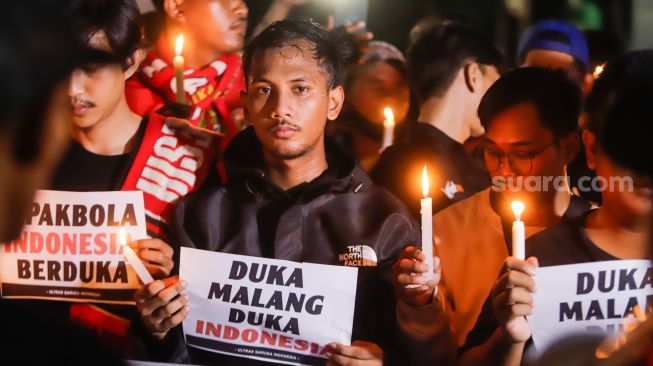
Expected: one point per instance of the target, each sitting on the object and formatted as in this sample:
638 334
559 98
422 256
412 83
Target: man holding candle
115 149
617 230
557 44
213 34
530 117
292 196
451 66
377 88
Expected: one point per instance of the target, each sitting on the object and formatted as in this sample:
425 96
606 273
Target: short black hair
618 110
625 135
621 73
120 20
333 50
39 49
557 99
438 50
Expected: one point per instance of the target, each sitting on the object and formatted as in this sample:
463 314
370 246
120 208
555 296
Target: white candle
178 62
427 223
518 231
388 128
133 259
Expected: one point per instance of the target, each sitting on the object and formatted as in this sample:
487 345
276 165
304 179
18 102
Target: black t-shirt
457 175
83 171
565 243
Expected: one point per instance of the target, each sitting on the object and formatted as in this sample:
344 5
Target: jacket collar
247 168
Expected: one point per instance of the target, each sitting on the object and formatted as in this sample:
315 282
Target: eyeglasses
520 162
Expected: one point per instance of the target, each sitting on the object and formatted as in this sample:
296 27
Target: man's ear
570 146
589 140
472 75
336 100
243 103
134 61
174 10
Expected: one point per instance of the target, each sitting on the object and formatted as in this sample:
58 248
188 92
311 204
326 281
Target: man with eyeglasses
530 117
615 231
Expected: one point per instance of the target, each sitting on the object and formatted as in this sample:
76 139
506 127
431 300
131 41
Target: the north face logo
450 189
358 256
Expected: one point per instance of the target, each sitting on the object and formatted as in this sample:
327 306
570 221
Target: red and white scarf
173 160
213 91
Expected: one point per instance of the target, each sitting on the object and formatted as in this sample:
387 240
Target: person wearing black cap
617 230
39 50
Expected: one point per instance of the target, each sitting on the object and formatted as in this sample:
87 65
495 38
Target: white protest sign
597 297
69 249
266 309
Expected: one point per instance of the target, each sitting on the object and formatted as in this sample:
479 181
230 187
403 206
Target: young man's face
379 86
96 90
288 100
533 148
631 202
218 24
19 180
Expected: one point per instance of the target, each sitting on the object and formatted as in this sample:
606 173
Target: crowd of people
286 129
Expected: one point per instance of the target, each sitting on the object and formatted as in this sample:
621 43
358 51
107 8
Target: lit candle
133 259
388 128
518 231
178 62
598 71
427 223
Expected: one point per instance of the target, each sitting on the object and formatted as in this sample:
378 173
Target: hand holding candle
178 62
388 129
133 259
518 231
427 223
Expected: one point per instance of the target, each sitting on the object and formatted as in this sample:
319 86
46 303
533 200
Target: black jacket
313 222
399 169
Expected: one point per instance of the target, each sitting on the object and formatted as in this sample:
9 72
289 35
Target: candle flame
598 71
389 116
425 183
122 236
180 44
517 209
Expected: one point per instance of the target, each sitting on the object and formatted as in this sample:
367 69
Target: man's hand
156 256
360 353
354 31
161 305
512 297
410 283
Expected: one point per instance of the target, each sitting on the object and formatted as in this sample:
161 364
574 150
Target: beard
292 153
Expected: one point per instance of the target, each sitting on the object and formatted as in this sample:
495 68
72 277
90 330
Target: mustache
239 21
81 101
283 122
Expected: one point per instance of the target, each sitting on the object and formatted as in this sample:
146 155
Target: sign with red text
600 298
266 309
70 249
